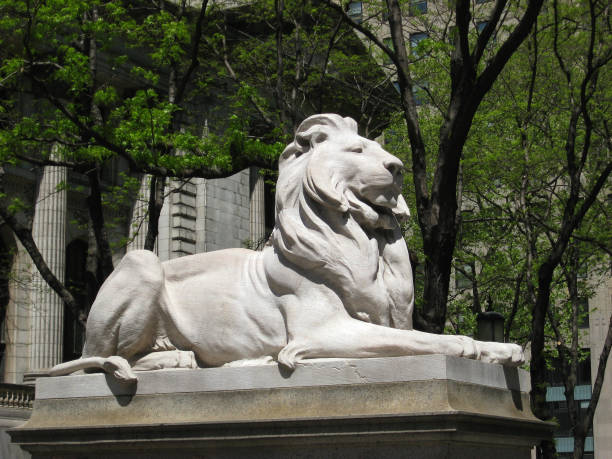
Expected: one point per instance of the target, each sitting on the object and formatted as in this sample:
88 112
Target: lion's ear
308 140
401 210
320 184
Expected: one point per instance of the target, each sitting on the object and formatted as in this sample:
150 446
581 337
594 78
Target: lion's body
333 281
196 302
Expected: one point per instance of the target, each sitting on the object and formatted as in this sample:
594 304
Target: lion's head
338 202
342 171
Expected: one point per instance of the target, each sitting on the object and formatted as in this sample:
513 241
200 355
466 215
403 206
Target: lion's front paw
469 348
186 359
504 353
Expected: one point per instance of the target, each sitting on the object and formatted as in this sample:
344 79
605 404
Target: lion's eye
357 149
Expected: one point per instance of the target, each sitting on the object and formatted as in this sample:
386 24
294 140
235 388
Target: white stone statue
334 279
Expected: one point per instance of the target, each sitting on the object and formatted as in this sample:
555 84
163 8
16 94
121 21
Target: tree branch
195 47
24 234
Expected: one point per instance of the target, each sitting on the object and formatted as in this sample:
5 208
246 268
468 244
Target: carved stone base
425 406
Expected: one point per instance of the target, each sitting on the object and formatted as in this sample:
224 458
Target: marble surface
316 372
334 280
422 406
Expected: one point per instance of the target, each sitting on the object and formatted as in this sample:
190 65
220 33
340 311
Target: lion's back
218 261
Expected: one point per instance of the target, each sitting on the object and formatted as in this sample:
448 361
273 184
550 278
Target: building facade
198 215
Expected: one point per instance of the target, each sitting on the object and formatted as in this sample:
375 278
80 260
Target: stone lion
334 280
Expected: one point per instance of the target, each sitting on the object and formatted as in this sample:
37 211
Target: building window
77 283
420 95
420 98
583 313
555 397
480 26
415 39
463 277
355 11
565 446
388 42
417 7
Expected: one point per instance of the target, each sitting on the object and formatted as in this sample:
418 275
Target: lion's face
370 173
361 176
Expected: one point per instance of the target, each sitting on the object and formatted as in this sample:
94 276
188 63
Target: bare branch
24 234
195 47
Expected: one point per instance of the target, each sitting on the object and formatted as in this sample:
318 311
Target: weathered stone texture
424 406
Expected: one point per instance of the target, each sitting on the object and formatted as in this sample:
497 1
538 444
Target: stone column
139 222
49 232
183 214
257 208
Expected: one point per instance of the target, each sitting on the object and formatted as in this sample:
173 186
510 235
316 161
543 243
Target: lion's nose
394 165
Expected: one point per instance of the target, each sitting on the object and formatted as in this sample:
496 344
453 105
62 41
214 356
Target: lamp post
490 326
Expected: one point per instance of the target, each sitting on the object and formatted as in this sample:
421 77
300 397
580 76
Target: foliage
127 92
448 59
90 109
534 187
298 59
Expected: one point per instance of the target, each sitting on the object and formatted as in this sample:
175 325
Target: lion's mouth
378 207
381 209
394 207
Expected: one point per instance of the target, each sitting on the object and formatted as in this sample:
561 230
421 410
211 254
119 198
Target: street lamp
490 326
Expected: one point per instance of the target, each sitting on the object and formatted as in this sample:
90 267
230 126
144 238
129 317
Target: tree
535 179
62 61
471 69
87 84
531 185
289 59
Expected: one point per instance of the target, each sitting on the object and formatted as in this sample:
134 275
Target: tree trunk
156 202
437 208
437 279
96 213
578 446
24 234
537 365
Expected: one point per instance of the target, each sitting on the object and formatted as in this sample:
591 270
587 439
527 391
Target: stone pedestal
424 406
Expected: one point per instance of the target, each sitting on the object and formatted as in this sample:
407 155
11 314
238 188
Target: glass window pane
555 394
355 11
388 42
463 279
481 25
420 98
583 313
582 392
415 39
418 7
564 444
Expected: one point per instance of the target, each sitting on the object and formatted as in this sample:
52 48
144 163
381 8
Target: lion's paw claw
503 353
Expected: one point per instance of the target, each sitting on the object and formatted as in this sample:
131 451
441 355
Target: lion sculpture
334 280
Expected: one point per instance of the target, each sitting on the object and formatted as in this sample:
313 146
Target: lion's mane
322 228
